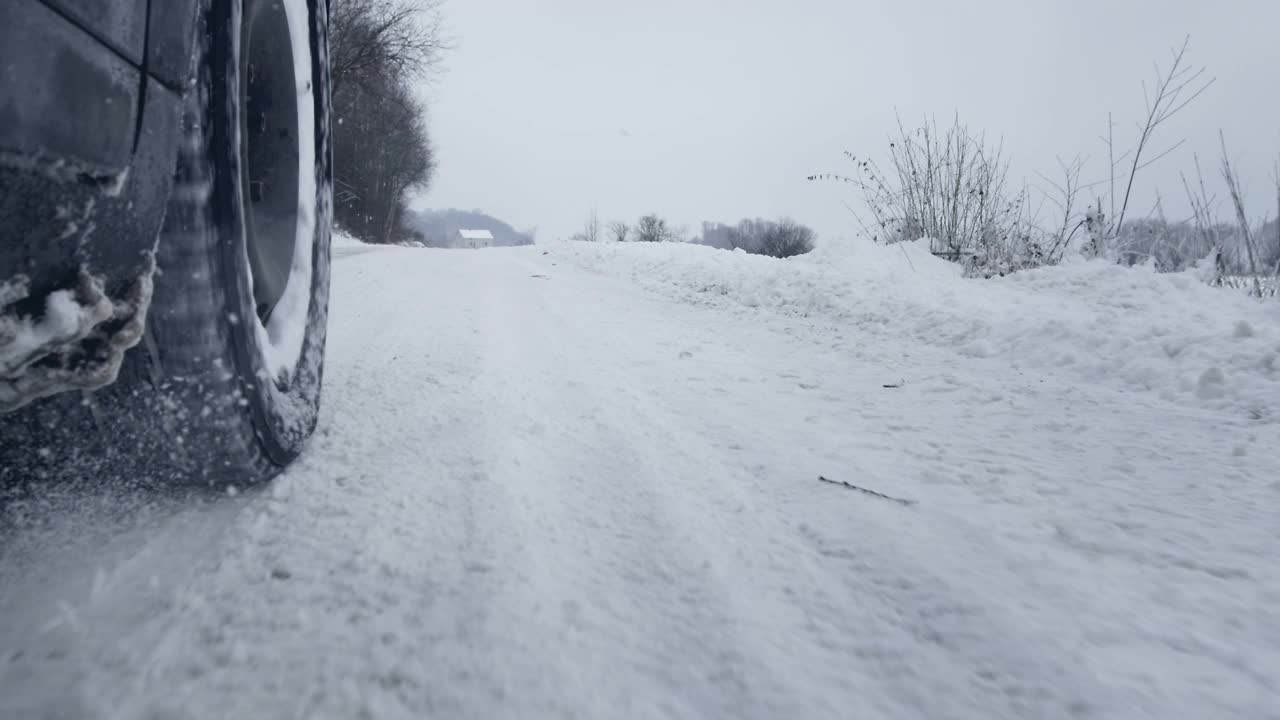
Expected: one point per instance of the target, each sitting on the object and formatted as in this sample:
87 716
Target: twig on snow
860 489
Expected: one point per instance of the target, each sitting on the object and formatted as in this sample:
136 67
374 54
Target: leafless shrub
652 228
952 187
787 238
1237 202
1202 209
949 186
1065 195
619 231
781 239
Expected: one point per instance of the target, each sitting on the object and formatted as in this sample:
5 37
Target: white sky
716 110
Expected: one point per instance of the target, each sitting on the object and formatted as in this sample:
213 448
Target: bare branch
1237 200
1172 92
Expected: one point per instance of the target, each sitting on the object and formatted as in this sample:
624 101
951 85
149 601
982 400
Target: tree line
776 238
378 51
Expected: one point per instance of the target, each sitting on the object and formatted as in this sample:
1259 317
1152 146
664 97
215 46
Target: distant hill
439 228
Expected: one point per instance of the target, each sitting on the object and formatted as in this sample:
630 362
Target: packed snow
582 481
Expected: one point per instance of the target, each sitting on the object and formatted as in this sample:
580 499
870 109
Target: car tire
224 388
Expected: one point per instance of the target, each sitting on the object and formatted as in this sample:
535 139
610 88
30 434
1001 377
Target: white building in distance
473 239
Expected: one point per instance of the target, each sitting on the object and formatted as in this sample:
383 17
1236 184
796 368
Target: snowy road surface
543 489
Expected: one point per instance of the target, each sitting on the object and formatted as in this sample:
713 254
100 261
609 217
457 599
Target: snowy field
583 481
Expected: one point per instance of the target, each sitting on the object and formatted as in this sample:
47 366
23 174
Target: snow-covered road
545 491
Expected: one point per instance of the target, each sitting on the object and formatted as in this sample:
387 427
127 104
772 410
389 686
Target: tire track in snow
564 497
892 631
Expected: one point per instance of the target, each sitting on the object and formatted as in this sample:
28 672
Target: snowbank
1168 334
343 239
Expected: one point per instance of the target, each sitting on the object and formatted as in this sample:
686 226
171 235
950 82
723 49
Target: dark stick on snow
880 495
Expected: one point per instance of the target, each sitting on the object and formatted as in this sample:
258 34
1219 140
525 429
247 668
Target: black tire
197 402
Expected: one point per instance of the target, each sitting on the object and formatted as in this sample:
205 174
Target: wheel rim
279 175
269 151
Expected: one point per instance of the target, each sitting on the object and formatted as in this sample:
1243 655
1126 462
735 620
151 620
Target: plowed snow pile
1095 322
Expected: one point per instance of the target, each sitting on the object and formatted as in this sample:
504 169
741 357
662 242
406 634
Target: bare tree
381 147
652 228
716 235
590 229
375 36
381 151
746 234
619 231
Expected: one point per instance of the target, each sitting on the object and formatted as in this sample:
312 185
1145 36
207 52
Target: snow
1130 328
63 321
70 344
344 241
585 484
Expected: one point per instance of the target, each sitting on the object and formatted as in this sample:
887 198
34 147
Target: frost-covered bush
950 186
1168 246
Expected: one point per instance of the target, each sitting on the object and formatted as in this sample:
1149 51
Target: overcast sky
717 110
